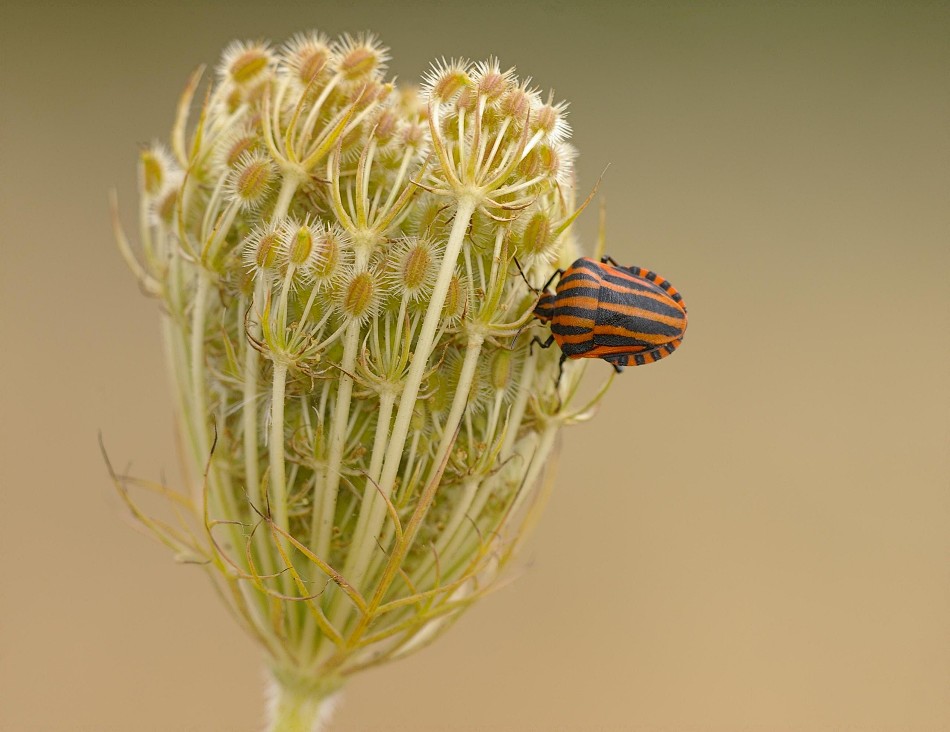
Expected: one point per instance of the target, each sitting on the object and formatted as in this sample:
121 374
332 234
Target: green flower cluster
347 332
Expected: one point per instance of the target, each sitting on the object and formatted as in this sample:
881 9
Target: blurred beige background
752 535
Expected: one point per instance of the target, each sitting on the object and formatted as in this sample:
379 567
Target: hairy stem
300 704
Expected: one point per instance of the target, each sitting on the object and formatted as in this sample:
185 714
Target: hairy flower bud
251 180
302 241
234 146
361 57
360 295
456 299
245 63
262 248
446 79
414 267
307 58
156 168
537 237
548 120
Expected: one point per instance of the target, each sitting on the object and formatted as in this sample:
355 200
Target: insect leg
557 273
521 272
606 259
543 344
557 381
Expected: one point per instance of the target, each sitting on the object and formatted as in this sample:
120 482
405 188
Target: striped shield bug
627 316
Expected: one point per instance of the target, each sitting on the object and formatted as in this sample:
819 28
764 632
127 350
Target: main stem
300 705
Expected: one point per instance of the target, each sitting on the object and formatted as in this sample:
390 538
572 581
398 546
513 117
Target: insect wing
637 315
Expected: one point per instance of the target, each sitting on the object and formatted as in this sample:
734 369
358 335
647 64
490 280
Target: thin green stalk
357 561
220 497
460 398
538 461
252 476
525 383
275 445
253 484
287 190
197 374
466 504
372 503
321 529
459 402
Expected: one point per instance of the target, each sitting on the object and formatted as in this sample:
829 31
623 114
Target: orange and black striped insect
627 316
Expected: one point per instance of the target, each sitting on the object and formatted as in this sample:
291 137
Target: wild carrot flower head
347 270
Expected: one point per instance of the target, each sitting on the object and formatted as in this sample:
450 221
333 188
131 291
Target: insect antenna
535 290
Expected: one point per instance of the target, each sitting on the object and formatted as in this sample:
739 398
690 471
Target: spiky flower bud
156 168
456 299
335 248
262 248
549 121
344 275
446 79
302 242
414 267
308 57
234 147
244 64
252 179
361 57
360 295
501 371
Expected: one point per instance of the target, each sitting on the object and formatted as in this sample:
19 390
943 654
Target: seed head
445 80
414 136
466 101
491 82
439 392
233 146
334 256
302 243
358 346
165 206
251 179
246 63
414 265
386 127
308 57
360 295
502 370
537 240
548 120
157 168
361 58
518 101
456 300
262 249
